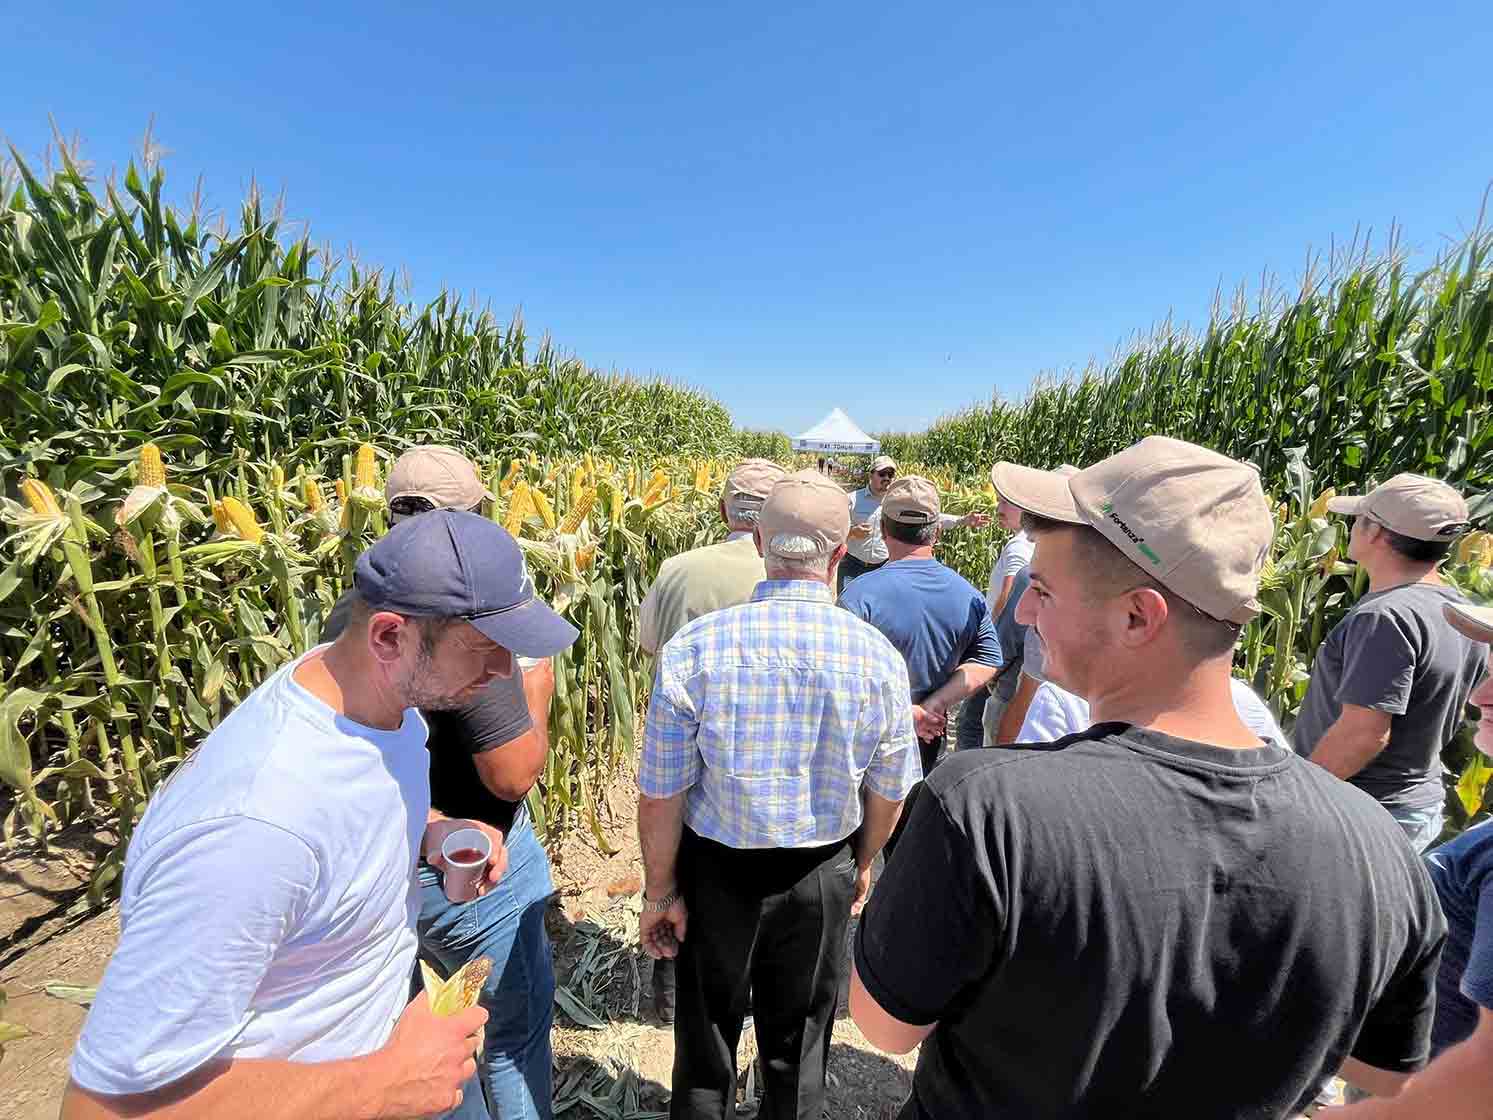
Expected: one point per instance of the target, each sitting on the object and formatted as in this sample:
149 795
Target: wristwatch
661 904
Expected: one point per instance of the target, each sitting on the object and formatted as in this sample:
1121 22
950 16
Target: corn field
1367 371
123 321
135 620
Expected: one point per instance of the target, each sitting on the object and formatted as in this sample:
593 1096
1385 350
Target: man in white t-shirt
269 901
1010 562
1056 713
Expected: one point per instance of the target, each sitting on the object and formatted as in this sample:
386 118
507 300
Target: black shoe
663 991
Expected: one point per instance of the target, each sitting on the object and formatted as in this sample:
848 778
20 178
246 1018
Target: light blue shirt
773 714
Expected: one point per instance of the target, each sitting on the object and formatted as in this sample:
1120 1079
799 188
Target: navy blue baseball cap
454 564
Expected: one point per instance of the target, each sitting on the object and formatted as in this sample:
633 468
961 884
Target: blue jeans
1422 826
506 924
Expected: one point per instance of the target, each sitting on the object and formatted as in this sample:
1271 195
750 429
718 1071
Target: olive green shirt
698 582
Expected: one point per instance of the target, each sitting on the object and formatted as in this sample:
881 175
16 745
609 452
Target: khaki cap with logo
1192 519
1413 505
1046 491
441 475
1475 622
807 505
881 463
753 478
912 500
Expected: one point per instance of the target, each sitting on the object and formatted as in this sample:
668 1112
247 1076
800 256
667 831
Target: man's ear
1146 614
757 540
389 634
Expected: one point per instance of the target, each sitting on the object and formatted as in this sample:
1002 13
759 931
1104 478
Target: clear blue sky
893 207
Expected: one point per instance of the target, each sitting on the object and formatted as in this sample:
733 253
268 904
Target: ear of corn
542 506
579 511
39 498
312 494
242 519
363 472
152 470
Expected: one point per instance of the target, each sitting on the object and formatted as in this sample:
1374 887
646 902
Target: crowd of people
1125 892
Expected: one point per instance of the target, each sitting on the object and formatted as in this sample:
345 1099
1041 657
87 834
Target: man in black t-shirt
1389 685
484 758
1162 916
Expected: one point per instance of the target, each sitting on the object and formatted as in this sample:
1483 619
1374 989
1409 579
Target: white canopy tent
837 432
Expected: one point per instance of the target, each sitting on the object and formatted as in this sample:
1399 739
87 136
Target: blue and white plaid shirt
772 714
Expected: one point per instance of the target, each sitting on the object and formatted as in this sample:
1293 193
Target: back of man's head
909 516
746 488
802 528
433 476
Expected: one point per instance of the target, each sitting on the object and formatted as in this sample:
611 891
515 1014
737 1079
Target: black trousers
770 922
850 567
931 751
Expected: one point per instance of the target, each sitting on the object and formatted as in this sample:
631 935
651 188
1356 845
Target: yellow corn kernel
542 506
241 517
619 503
340 489
363 477
577 484
510 478
312 492
152 470
579 511
584 557
1319 507
39 497
220 517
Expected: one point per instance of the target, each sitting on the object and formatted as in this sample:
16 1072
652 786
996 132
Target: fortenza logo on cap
1108 509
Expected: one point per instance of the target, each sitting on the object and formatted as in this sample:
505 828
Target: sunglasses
886 474
408 505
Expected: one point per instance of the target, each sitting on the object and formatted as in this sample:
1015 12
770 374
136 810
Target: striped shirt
773 714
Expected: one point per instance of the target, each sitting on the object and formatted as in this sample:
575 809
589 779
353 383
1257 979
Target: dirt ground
615 1065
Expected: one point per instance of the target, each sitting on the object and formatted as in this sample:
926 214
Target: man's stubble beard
420 688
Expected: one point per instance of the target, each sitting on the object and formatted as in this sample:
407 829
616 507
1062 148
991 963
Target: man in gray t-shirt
1389 685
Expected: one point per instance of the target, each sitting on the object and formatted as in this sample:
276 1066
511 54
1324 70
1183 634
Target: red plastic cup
466 853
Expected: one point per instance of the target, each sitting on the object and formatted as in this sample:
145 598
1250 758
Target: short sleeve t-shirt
1462 871
498 715
269 898
865 509
1124 923
932 615
1014 555
1013 637
696 582
1395 652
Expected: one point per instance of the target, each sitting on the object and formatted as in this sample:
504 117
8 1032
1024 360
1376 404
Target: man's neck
342 678
1385 574
1188 702
922 552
